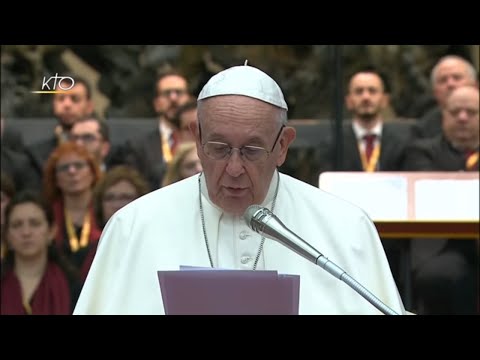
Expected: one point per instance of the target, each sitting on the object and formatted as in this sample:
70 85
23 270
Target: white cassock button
243 235
245 259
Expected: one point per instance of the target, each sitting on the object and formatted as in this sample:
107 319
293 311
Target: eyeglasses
169 92
85 138
218 150
77 165
124 198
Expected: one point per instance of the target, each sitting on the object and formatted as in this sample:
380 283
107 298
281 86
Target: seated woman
184 164
35 279
119 186
70 175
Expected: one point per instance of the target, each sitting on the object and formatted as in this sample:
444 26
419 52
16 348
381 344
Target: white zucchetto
244 80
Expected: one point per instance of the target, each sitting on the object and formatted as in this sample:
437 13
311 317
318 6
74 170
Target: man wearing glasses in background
242 139
156 149
93 134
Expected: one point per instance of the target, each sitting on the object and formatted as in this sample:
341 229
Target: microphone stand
257 219
306 250
340 274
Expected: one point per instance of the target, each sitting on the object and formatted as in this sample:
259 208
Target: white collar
360 132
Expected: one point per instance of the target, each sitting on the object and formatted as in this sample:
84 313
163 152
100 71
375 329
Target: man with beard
68 107
369 143
151 153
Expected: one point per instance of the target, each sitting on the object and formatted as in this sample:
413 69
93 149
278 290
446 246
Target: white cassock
163 230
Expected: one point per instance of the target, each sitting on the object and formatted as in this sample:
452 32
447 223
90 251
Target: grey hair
283 117
471 71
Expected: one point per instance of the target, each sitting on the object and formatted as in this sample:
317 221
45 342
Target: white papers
382 198
447 200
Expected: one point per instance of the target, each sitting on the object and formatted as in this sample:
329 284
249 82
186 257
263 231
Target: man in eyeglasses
242 138
94 135
154 150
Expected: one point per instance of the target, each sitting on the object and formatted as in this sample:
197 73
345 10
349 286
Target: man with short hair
369 143
242 138
153 151
446 277
68 107
94 134
450 72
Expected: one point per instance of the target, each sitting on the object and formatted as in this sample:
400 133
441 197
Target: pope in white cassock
242 137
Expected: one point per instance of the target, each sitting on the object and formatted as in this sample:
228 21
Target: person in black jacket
449 73
446 281
68 107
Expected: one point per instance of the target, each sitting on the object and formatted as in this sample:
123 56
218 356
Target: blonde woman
119 186
185 163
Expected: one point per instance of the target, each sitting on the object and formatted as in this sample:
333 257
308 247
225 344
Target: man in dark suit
68 107
369 143
449 73
446 280
94 134
152 152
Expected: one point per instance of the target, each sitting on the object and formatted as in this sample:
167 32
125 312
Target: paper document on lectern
447 199
383 198
229 292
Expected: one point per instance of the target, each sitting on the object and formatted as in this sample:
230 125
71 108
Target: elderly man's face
451 74
460 117
234 183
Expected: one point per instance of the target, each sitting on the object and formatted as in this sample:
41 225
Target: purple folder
229 292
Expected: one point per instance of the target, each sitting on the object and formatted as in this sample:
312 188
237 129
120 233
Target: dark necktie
369 145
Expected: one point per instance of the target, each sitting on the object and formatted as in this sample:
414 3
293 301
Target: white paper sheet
447 199
384 198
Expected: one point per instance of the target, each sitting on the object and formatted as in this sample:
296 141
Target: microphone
264 222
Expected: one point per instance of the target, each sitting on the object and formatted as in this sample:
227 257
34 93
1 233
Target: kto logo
60 84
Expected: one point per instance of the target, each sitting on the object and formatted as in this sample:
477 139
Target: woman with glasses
118 187
71 174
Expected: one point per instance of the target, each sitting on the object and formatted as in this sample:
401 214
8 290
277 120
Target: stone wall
123 75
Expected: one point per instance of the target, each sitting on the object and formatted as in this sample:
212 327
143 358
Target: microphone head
250 214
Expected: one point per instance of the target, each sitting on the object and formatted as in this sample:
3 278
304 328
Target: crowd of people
61 196
77 179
